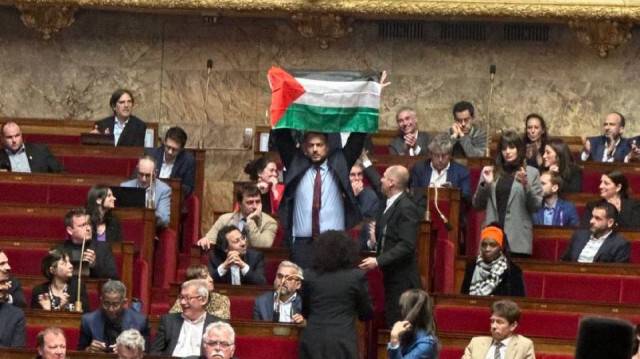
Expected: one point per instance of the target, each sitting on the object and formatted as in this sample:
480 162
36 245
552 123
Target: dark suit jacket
339 160
396 147
12 330
105 266
92 327
565 214
263 306
17 295
599 143
253 258
183 168
168 332
511 283
615 249
133 133
457 175
40 159
628 217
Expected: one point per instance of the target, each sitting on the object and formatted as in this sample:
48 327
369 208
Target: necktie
497 355
317 202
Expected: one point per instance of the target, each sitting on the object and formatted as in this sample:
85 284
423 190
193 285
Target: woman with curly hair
99 206
265 175
415 336
334 293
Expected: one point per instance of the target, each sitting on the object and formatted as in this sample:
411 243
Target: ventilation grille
527 33
401 30
463 31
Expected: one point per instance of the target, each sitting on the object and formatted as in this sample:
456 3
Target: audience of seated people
60 291
469 139
415 335
172 161
555 211
19 156
98 256
557 158
610 146
130 344
264 173
600 243
282 304
232 262
493 272
510 193
127 130
218 342
368 204
410 141
158 193
12 330
218 304
258 227
100 329
104 224
51 343
614 189
535 138
14 295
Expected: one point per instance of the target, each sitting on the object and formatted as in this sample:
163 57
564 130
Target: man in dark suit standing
172 161
600 243
12 330
180 334
18 156
611 146
396 232
285 290
127 130
317 190
100 328
232 262
410 141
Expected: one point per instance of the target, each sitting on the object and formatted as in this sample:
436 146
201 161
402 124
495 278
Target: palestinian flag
324 101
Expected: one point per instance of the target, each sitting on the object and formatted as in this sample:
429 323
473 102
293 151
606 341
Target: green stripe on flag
330 119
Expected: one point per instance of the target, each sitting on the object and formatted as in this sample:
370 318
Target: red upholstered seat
23 193
475 221
190 223
31 227
52 139
635 252
250 347
451 353
443 267
165 257
277 242
72 195
133 231
141 283
26 261
581 287
72 335
534 284
242 307
630 291
106 166
380 150
271 268
546 249
462 319
591 181
549 324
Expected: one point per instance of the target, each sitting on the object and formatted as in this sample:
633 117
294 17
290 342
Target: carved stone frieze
325 28
47 19
603 35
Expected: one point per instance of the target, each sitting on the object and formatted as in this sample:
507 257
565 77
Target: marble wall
162 58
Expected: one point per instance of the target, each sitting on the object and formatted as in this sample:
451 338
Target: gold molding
604 35
375 9
47 19
325 28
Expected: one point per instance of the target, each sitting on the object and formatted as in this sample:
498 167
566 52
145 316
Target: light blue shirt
548 214
331 206
117 130
19 161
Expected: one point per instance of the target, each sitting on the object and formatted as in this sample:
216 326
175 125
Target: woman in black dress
100 205
493 273
334 293
61 290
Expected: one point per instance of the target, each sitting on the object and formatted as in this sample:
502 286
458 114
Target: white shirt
117 129
235 273
605 158
190 337
415 152
392 199
167 167
503 349
592 247
285 309
439 179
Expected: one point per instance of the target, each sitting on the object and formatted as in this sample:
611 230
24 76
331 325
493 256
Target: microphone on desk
445 221
78 307
206 89
276 300
492 74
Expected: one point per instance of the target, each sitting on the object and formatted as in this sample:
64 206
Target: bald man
396 232
160 192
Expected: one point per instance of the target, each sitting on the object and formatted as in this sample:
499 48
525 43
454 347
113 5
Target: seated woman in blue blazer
414 337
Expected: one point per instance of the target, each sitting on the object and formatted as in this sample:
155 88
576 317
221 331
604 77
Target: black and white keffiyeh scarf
487 276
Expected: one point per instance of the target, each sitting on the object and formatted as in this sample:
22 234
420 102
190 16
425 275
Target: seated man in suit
555 211
369 206
100 328
258 227
180 334
130 344
600 243
232 262
288 281
440 170
611 146
505 316
12 330
218 342
127 130
174 162
469 140
158 192
15 295
98 255
410 141
18 156
51 343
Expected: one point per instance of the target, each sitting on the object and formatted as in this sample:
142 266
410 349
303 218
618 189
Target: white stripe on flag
341 94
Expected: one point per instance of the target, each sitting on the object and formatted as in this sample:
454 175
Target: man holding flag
318 195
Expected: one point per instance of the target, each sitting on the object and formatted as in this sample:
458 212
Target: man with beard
289 304
611 146
469 139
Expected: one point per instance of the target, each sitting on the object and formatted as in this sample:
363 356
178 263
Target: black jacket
133 133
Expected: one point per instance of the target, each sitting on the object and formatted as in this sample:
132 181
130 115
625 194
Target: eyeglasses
215 343
188 298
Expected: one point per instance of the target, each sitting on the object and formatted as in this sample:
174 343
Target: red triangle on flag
284 91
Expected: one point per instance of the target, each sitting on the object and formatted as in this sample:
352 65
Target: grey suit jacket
169 331
519 348
263 306
523 204
396 147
